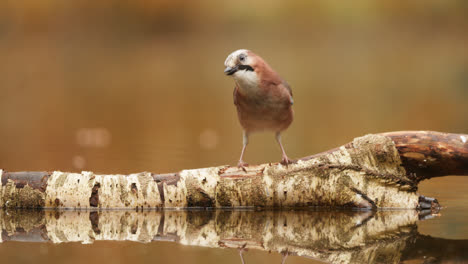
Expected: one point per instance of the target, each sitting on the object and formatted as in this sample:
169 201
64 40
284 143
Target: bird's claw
241 165
286 161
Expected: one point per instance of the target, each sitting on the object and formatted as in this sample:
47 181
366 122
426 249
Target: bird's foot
286 161
241 165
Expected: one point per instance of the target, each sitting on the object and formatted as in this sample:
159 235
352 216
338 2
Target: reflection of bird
263 99
284 256
241 250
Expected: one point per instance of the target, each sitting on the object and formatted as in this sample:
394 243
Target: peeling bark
427 154
333 237
375 171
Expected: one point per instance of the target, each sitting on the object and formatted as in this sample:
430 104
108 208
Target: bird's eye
242 57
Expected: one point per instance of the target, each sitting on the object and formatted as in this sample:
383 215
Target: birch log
329 236
373 171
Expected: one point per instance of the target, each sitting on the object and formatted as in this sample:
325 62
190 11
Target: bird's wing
274 80
285 84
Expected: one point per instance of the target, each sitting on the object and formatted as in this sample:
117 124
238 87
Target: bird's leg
285 160
285 256
245 141
241 251
241 257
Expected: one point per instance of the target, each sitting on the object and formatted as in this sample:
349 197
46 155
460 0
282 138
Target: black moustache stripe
245 67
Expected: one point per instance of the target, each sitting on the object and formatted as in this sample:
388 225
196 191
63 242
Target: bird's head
240 61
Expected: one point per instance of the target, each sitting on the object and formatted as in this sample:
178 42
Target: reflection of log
374 171
336 237
436 250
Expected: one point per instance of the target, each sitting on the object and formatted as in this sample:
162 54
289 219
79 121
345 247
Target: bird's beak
230 70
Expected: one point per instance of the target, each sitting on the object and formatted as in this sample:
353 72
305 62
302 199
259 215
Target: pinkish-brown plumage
263 99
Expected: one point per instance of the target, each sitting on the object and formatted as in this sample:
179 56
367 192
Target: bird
263 99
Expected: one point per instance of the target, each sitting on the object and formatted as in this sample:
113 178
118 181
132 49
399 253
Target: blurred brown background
125 86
